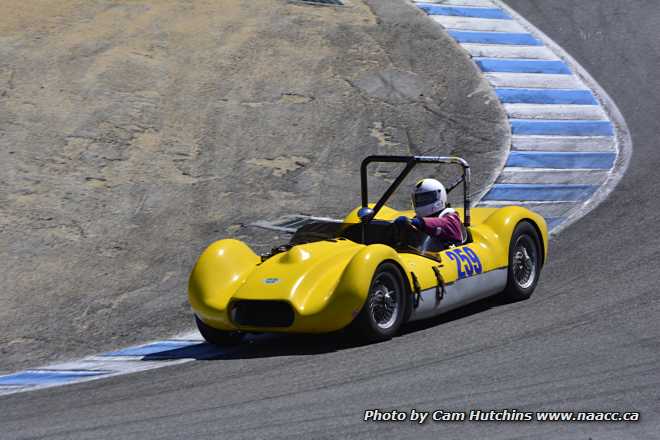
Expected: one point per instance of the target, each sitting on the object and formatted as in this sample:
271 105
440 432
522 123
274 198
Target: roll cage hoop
367 214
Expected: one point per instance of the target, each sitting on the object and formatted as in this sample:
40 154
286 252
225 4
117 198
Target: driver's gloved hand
402 220
417 222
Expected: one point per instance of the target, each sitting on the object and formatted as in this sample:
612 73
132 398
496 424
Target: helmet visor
425 198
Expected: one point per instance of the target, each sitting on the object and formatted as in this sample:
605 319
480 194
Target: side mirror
365 214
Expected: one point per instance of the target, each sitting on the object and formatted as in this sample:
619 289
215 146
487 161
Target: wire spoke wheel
524 262
384 308
384 302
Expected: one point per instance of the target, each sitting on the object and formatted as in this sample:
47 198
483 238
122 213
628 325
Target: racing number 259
467 262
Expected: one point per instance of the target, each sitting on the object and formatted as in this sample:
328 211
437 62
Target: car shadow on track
256 346
276 345
457 314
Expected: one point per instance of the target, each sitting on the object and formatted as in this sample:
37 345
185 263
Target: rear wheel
383 312
524 262
218 337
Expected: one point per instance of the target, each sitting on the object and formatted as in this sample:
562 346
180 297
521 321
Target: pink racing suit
446 226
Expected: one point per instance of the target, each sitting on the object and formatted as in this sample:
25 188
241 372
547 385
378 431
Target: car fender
353 287
502 223
210 286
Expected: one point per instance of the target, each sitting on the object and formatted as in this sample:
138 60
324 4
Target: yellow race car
368 273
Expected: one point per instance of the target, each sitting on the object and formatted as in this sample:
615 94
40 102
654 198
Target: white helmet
429 197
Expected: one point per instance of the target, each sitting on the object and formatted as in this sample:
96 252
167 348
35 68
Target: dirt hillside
133 133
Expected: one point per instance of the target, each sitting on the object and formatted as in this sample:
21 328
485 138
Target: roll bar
410 161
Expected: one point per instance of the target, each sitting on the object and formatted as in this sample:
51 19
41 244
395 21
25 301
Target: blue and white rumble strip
569 143
140 358
569 148
158 354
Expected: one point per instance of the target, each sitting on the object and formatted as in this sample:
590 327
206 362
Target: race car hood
306 275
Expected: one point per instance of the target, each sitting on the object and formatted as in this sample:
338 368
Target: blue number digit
468 264
476 262
456 259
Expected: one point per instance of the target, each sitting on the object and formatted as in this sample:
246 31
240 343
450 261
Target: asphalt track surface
588 339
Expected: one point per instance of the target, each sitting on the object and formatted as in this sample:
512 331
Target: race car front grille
258 313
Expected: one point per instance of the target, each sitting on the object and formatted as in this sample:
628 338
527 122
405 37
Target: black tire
385 308
525 262
218 337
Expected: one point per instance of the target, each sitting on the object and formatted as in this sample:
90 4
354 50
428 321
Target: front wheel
218 337
383 311
524 262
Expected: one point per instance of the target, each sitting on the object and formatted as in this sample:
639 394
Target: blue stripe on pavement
43 377
512 38
539 193
561 160
551 195
535 127
545 96
458 11
522 66
156 347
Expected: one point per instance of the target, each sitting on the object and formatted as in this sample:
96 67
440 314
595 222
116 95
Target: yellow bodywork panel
326 282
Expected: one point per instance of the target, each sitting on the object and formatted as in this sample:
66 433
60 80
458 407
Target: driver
432 214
